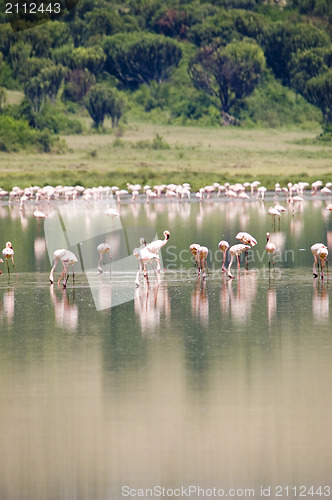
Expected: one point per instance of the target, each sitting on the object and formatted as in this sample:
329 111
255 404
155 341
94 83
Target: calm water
220 384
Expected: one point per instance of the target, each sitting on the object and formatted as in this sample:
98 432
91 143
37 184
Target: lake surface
217 383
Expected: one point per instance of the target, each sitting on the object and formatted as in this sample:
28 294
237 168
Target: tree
42 85
2 99
140 58
319 92
104 101
78 83
228 73
283 40
306 65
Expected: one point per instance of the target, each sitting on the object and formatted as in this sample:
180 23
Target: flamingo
202 254
194 250
275 213
270 248
223 247
111 212
236 250
157 245
246 239
322 254
314 249
8 253
144 256
103 248
38 214
67 258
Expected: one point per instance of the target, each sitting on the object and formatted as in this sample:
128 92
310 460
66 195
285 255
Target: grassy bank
152 154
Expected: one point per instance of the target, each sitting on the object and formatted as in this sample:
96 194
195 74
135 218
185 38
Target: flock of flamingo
148 253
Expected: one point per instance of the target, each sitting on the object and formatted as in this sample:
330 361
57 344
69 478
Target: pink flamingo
194 251
246 239
270 248
314 249
67 258
223 247
202 254
236 250
144 256
103 248
157 245
322 254
8 253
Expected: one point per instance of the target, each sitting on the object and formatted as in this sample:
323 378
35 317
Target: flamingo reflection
151 302
320 301
200 303
66 313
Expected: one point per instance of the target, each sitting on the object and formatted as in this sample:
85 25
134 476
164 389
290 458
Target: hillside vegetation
245 63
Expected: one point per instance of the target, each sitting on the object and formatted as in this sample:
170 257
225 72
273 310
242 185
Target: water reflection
7 306
151 303
200 302
320 301
205 382
66 312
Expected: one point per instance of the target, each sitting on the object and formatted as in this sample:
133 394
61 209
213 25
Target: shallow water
217 383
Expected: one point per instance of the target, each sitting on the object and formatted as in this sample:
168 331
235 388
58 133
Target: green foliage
16 135
2 99
227 26
157 143
45 84
283 40
229 73
103 101
90 58
175 21
52 117
274 105
319 92
77 84
308 64
140 58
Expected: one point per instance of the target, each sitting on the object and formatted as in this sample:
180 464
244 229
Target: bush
16 135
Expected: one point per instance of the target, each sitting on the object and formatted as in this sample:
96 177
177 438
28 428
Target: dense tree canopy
229 73
145 48
141 58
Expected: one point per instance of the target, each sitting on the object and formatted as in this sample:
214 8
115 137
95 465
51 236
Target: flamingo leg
52 271
137 275
229 267
223 263
322 268
99 266
314 267
7 266
238 262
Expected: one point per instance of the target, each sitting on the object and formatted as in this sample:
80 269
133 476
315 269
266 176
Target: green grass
196 155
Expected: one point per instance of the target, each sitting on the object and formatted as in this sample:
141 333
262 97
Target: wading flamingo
223 247
103 248
270 248
202 254
8 253
194 251
67 258
246 239
157 245
314 250
236 250
322 254
144 256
